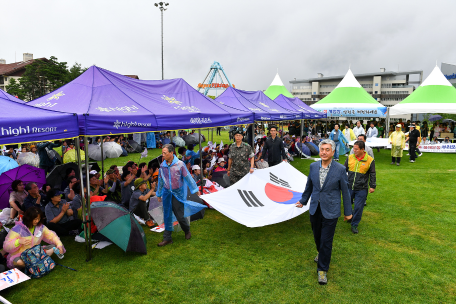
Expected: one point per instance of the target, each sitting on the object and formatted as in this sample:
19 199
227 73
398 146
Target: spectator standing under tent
358 130
273 148
45 162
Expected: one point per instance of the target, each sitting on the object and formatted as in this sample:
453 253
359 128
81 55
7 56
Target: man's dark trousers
65 228
323 230
178 210
412 150
358 197
273 163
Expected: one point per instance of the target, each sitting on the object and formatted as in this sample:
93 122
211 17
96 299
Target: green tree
14 88
44 76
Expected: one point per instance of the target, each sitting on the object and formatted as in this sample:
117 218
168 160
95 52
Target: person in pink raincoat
28 233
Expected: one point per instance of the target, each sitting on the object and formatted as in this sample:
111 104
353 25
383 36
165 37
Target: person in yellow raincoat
349 134
397 141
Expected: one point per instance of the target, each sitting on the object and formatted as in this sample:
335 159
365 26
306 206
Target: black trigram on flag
279 181
250 199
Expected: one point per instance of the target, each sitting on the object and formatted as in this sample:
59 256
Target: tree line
42 77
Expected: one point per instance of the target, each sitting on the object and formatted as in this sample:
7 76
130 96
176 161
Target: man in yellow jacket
397 141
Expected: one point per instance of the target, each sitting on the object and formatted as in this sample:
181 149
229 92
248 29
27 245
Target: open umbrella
56 176
178 141
190 140
136 147
118 225
70 156
435 117
7 163
25 173
112 149
29 158
222 178
94 152
447 120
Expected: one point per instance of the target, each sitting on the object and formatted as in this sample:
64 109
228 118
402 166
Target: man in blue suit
326 181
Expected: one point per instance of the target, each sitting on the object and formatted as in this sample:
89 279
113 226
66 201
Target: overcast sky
250 38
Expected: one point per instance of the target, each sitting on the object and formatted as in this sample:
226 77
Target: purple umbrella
435 117
26 174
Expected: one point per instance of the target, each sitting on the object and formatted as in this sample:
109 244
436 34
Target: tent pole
102 162
84 207
208 134
201 160
87 217
212 134
387 121
302 130
253 136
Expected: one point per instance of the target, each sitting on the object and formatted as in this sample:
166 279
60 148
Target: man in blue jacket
326 181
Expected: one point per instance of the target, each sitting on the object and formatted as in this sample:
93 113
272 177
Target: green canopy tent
435 95
276 88
350 99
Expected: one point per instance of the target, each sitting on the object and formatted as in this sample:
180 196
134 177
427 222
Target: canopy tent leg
253 136
84 206
87 216
208 134
201 159
212 135
387 121
102 162
302 130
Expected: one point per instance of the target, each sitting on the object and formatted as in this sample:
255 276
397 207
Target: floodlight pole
161 6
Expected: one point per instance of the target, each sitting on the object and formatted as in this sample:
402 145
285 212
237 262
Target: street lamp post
162 7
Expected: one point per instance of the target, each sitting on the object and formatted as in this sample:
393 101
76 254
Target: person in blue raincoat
173 180
341 142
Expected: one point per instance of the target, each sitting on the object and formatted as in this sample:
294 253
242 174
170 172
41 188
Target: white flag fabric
265 197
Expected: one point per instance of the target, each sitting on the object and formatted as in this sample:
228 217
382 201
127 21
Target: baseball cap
196 167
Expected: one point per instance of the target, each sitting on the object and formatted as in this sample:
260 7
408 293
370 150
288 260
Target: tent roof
276 88
435 95
296 104
23 123
262 101
107 103
348 91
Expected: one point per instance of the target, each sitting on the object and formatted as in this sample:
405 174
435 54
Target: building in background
449 70
388 88
14 70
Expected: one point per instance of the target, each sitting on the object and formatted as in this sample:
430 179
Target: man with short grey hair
326 181
358 130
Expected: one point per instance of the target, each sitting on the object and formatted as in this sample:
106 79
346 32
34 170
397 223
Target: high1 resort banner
265 197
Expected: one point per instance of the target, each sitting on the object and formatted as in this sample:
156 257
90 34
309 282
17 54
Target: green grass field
404 253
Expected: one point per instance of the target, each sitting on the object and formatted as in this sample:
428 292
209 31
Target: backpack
37 262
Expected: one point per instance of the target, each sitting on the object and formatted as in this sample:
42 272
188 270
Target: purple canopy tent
22 123
110 103
276 112
313 114
256 102
296 104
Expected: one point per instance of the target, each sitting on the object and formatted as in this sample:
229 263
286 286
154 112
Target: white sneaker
420 154
408 154
9 221
412 161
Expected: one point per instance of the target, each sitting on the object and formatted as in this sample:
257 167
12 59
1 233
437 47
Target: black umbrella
136 147
447 120
221 178
190 140
58 174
